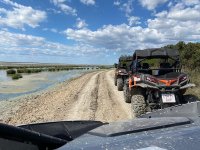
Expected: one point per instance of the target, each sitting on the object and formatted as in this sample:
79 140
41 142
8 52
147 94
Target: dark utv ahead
121 72
157 86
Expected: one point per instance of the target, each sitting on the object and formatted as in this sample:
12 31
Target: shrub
25 70
16 76
11 71
51 69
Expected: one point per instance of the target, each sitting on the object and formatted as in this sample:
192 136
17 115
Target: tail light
136 78
183 78
151 79
133 80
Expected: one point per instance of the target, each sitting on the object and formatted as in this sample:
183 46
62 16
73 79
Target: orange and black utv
121 72
156 80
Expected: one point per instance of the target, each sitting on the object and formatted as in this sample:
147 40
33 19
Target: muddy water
31 83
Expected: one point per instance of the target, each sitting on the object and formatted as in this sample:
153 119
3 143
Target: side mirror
115 65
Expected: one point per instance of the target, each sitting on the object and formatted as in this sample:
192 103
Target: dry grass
194 78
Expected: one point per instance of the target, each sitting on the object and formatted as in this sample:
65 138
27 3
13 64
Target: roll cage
124 60
156 53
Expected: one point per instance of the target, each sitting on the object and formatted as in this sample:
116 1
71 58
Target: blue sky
92 31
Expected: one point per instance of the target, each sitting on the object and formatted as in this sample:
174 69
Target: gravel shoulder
92 96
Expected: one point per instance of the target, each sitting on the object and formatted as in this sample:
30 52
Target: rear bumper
122 74
190 85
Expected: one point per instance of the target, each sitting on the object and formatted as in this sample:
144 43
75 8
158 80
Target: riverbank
8 107
32 83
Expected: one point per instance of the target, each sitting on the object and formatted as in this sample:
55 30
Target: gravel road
92 96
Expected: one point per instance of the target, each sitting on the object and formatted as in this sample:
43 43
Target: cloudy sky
92 31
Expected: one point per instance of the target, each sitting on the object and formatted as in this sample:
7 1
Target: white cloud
127 7
183 13
81 23
179 23
88 2
51 29
133 20
116 38
53 11
116 3
21 15
11 39
64 7
54 30
190 2
151 4
2 10
33 45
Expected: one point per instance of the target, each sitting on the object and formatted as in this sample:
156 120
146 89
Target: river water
31 83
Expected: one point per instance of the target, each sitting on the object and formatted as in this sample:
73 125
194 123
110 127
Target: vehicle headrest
145 65
139 65
165 65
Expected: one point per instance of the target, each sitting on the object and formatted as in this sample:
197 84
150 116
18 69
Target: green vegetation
153 62
124 60
194 78
190 59
16 76
190 55
15 71
35 68
11 71
32 70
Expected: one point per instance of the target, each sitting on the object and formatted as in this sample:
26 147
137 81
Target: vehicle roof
125 58
156 53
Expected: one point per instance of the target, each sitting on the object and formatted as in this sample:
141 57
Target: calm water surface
42 81
3 76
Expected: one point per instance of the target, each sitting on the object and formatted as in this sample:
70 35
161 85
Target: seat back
163 70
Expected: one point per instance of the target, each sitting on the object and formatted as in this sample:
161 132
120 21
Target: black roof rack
125 58
156 53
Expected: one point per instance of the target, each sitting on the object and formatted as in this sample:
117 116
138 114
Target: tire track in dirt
86 104
110 109
118 95
98 101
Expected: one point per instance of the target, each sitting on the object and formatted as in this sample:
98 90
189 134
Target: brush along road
92 96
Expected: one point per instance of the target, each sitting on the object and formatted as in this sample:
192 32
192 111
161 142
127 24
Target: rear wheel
115 81
127 95
138 103
120 84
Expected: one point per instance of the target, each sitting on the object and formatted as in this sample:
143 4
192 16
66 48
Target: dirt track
91 97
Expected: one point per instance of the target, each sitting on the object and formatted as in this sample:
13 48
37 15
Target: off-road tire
127 96
120 84
115 81
138 104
